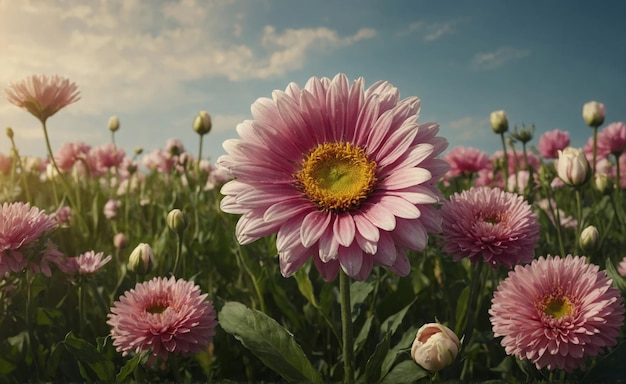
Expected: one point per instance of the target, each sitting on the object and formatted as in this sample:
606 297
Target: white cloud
135 54
468 128
497 58
430 31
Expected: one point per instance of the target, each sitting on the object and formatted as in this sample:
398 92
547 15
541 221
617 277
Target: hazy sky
155 64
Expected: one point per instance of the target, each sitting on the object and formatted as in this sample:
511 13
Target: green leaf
405 343
129 367
610 368
305 286
359 290
363 333
50 316
54 359
618 280
269 341
391 324
461 309
88 354
373 365
405 372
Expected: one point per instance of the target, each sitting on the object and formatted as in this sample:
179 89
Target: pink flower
5 164
162 316
556 312
550 205
42 95
85 264
22 231
466 161
63 215
612 138
345 175
491 224
516 160
551 142
158 161
621 268
110 208
105 157
70 154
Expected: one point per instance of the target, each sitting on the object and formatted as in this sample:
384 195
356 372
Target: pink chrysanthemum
162 316
42 95
497 226
85 264
345 175
612 138
464 160
551 142
556 312
21 227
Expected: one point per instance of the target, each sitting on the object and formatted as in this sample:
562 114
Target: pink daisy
163 316
70 154
551 142
491 224
85 264
464 160
22 231
345 175
612 138
105 157
556 312
42 95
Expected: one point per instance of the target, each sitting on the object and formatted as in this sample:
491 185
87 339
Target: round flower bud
572 166
524 135
141 260
603 184
589 238
499 122
114 123
120 241
202 123
593 113
177 221
10 132
138 151
435 347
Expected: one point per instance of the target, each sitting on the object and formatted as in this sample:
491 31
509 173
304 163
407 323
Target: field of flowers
339 239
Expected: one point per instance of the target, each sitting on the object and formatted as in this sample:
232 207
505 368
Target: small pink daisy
21 230
162 316
556 312
343 174
491 224
551 142
42 95
85 264
466 161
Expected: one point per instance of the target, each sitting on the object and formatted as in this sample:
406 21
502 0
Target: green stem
346 328
179 251
506 159
475 296
595 146
557 220
29 325
579 210
81 307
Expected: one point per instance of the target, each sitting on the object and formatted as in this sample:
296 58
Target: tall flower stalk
346 328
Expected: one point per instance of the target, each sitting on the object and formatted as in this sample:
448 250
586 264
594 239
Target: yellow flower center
337 176
557 307
157 308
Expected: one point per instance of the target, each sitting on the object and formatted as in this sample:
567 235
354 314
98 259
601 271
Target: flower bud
589 238
177 221
10 133
572 166
499 122
114 123
110 209
603 184
138 151
141 260
435 346
524 135
120 241
593 113
202 123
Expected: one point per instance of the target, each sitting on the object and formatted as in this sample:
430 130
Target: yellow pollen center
157 308
557 307
337 176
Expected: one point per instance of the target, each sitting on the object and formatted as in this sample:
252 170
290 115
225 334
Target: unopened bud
524 135
589 238
177 221
10 133
435 347
141 260
603 184
499 122
202 123
593 113
114 123
572 166
120 241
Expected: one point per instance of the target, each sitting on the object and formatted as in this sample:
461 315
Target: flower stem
595 146
346 328
506 160
579 210
179 251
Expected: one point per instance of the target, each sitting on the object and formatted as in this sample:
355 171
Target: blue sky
155 64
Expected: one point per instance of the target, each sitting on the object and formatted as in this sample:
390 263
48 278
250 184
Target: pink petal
313 226
344 229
